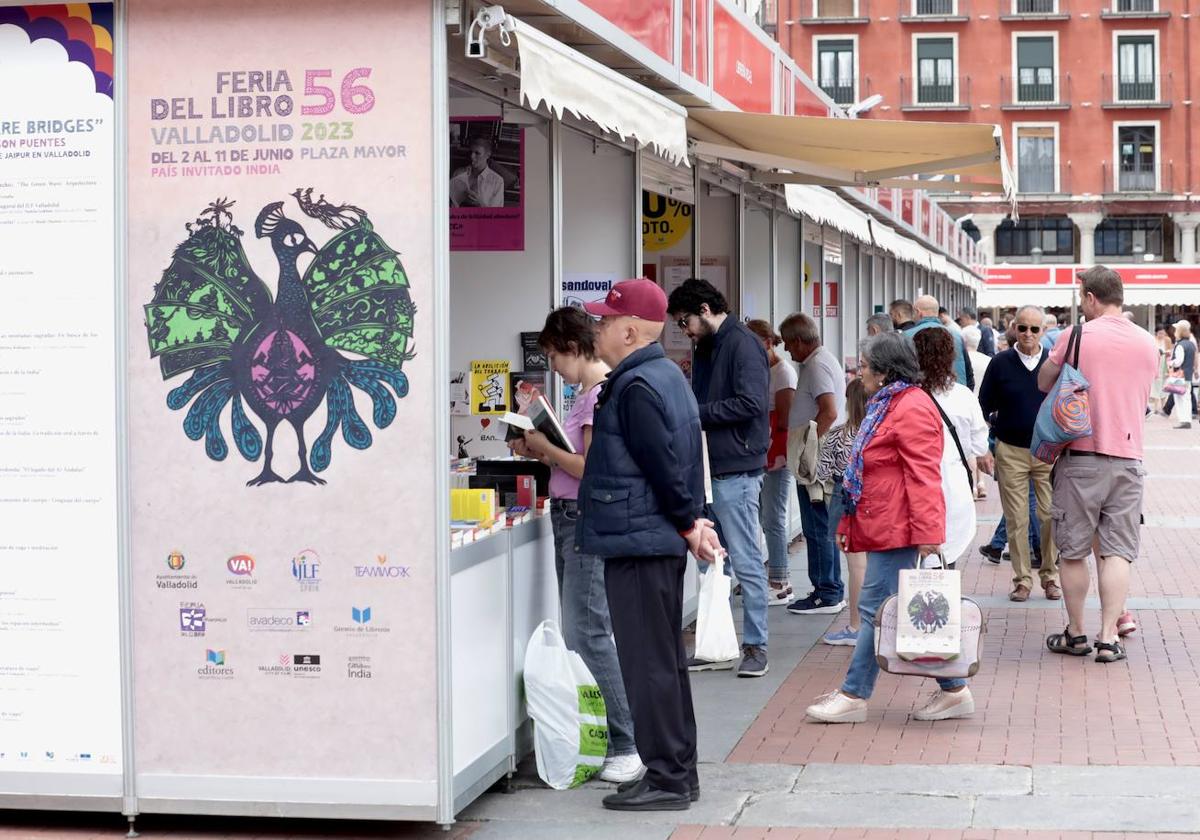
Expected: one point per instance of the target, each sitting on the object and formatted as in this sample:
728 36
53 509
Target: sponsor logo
282 667
363 623
382 569
306 664
358 668
306 570
215 665
241 572
49 755
173 579
192 619
278 620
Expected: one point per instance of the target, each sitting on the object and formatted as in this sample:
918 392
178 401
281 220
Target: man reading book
640 502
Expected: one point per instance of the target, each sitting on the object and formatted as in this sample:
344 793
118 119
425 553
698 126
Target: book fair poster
59 603
280 387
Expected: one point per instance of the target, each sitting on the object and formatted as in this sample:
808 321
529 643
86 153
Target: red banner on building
742 64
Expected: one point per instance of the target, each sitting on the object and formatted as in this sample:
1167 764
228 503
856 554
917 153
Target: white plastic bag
570 727
716 639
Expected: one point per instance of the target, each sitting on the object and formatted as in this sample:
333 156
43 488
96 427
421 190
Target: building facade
1093 97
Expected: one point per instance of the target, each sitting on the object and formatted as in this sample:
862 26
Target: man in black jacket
639 508
731 380
1010 392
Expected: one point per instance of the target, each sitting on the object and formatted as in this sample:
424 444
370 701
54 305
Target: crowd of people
887 465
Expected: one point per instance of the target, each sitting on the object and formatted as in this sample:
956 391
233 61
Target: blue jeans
882 581
736 506
586 626
774 517
824 569
1000 537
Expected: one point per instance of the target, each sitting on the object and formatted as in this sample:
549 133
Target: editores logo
174 579
216 666
382 569
192 619
358 668
241 571
278 620
363 623
306 569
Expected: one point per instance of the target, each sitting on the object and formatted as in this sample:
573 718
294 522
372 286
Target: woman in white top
935 352
777 483
1183 364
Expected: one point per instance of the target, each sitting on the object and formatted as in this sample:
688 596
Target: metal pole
697 186
636 251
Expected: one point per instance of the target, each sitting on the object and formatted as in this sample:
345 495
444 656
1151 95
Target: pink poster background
247 710
488 228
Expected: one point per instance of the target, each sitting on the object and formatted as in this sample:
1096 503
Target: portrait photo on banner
487 185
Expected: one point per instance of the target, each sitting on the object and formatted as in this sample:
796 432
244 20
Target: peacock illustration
929 611
283 357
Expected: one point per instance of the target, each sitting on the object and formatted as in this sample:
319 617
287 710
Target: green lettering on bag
591 701
593 739
583 772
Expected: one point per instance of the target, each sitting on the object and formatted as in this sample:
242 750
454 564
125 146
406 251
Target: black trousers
645 601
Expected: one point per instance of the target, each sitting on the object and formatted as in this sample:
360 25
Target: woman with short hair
895 512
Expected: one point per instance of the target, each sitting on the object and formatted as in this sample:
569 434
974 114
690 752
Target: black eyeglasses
1027 328
682 323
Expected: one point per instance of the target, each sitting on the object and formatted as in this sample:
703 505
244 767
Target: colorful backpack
1065 414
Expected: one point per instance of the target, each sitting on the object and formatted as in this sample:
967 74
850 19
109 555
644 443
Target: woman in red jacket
895 512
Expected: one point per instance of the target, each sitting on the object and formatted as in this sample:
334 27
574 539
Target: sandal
1064 642
1109 652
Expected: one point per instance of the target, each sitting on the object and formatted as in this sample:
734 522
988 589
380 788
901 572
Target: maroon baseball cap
640 298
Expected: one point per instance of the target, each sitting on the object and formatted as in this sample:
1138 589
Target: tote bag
1065 414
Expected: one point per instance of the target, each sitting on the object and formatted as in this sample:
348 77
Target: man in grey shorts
1098 479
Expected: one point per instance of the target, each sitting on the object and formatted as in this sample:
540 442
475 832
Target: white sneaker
836 707
944 705
779 597
622 768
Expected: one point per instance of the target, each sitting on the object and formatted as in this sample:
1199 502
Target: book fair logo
382 569
216 666
358 668
174 578
278 619
306 570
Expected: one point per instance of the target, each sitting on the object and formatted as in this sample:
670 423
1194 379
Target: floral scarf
877 408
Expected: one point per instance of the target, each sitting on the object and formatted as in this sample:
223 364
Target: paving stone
1089 813
1124 781
950 780
716 807
514 830
866 810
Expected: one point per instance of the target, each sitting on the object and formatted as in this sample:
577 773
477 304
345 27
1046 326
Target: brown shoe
1053 590
1020 594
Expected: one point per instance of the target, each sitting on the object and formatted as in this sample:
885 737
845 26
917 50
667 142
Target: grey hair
971 336
894 357
800 327
1029 307
883 321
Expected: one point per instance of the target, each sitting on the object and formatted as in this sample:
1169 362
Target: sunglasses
1026 328
682 323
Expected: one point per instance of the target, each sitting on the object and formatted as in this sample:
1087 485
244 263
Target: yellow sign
489 386
665 221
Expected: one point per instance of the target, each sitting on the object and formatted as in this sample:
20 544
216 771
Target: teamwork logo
929 611
283 355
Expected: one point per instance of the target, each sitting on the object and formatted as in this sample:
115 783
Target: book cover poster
487 185
533 357
525 386
489 386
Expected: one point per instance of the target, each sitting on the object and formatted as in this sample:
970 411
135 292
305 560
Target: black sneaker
815 605
992 554
754 662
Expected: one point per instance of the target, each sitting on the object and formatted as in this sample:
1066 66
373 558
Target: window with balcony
1135 5
835 69
1136 68
835 9
1035 159
1035 69
1053 236
1130 236
935 71
934 8
1035 7
1136 158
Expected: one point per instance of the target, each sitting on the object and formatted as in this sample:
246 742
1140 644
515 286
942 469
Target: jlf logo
306 569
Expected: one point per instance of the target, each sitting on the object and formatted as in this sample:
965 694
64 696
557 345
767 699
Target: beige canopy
831 151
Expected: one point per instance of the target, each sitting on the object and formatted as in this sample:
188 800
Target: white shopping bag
570 727
929 614
716 639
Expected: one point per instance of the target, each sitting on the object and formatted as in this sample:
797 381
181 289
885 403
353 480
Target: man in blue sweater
640 501
731 380
927 314
1010 396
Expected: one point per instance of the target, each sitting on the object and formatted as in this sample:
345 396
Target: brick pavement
696 832
1034 707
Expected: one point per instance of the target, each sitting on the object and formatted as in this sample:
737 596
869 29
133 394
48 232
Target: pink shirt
563 485
1119 361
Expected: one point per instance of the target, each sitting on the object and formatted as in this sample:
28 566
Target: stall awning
567 80
826 208
843 152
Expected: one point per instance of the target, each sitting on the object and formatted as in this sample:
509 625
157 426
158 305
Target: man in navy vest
640 502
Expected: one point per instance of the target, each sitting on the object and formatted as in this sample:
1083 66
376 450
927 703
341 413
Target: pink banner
487 185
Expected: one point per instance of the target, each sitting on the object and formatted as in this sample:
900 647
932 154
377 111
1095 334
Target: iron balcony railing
1035 89
938 92
1136 90
840 91
1138 177
918 10
1033 9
